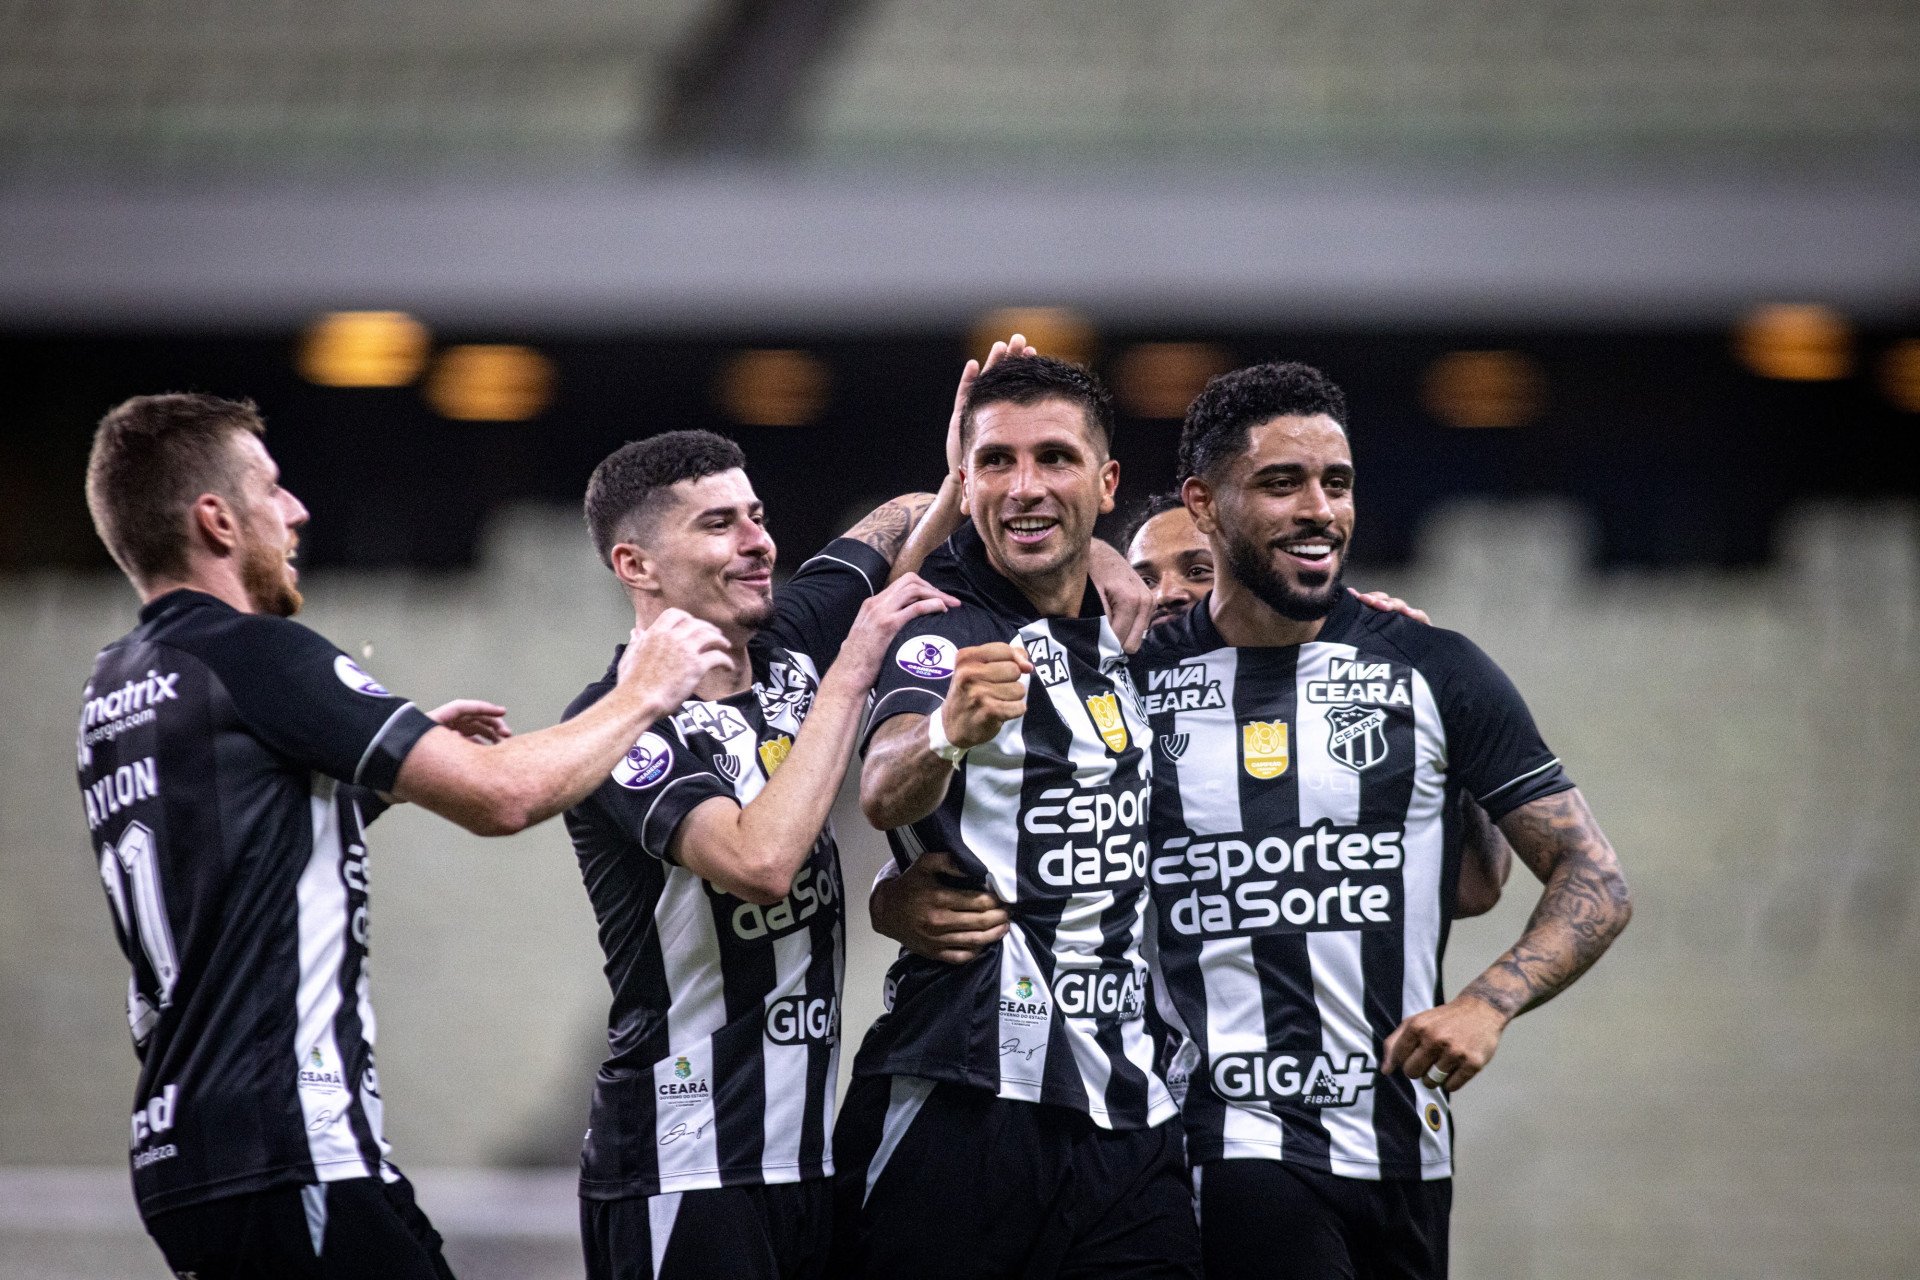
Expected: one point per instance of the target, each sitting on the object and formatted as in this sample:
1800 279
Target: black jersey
228 763
1306 852
725 1027
1051 814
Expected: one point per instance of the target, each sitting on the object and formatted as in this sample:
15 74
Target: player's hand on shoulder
474 720
1385 603
922 911
985 692
1125 597
907 597
670 657
1447 1045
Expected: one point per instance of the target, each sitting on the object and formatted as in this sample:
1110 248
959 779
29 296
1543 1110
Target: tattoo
888 526
1584 907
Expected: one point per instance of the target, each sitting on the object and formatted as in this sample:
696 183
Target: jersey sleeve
915 675
816 607
1494 748
311 703
656 785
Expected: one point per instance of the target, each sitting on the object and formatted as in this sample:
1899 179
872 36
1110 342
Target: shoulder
1172 642
587 697
1431 649
247 643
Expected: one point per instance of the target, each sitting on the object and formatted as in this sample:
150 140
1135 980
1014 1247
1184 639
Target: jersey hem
701 1180
1201 1151
946 1074
243 1184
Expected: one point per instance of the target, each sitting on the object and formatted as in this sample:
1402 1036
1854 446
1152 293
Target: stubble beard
263 575
1250 564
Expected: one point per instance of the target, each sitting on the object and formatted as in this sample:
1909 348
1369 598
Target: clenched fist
985 693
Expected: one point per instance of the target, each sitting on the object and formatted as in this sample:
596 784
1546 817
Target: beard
758 616
1249 562
263 573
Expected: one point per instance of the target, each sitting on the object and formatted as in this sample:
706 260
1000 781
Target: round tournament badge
645 763
926 657
357 680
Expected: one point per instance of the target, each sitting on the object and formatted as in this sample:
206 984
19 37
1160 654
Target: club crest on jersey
356 679
926 657
1263 748
1172 745
773 753
729 766
1105 708
645 763
1049 660
1356 737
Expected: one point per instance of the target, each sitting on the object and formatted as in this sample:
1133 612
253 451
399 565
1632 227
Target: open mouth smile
1027 531
1311 552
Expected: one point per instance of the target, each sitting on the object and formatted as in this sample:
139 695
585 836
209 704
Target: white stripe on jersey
905 1096
321 918
785 1065
684 1135
1331 792
662 1210
1421 884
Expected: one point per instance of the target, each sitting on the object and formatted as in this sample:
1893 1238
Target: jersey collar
180 598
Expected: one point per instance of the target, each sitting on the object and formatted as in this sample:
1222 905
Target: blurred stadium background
1626 295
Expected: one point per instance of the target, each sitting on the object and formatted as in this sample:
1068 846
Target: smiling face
1035 482
1282 513
1174 559
708 552
269 519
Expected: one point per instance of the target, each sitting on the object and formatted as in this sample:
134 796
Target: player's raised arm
755 851
912 757
504 788
1582 910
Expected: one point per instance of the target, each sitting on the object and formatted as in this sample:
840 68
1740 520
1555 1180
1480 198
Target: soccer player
1305 852
229 760
1005 1118
714 874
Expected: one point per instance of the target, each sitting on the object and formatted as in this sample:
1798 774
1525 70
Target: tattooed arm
908 528
1584 907
1485 860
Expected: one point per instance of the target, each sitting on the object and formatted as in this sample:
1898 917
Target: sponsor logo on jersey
1112 824
1366 683
1023 1005
1187 687
1313 1079
1049 660
1356 737
357 680
133 704
1105 709
785 696
315 1075
714 719
127 785
685 1089
1172 745
645 763
1023 987
1328 878
1433 1116
773 753
926 657
803 1020
813 889
1263 748
729 766
682 1068
1116 994
157 1116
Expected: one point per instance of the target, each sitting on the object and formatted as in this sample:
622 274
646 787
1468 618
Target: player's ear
966 490
1197 494
635 566
1109 484
214 524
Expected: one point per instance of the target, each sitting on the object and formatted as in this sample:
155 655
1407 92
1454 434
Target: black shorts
1277 1221
736 1233
943 1180
348 1230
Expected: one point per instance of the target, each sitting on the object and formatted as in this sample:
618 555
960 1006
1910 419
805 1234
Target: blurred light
490 383
1900 374
364 349
1484 389
1160 379
1798 342
1054 331
774 388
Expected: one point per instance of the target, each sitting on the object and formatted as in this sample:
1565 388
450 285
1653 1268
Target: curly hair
1221 415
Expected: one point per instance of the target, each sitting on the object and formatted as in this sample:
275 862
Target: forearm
1485 860
1584 907
934 526
890 528
902 780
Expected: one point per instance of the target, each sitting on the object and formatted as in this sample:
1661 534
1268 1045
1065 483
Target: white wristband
940 743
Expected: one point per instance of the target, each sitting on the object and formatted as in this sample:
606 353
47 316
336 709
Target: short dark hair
1158 505
1233 403
1028 380
626 490
152 457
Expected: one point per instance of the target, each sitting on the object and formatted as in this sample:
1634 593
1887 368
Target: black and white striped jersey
725 1027
228 764
1052 815
1306 852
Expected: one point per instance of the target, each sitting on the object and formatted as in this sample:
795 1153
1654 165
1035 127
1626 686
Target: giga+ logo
803 1020
1287 1077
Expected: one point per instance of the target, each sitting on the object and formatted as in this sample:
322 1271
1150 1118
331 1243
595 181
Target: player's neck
219 579
1245 621
1057 594
717 684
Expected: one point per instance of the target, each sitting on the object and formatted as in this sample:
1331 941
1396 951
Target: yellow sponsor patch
774 753
1108 720
1263 748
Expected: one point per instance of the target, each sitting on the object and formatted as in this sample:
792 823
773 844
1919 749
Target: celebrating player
1304 855
229 759
1005 1117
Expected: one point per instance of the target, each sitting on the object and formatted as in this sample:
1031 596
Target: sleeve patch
926 657
357 680
645 763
